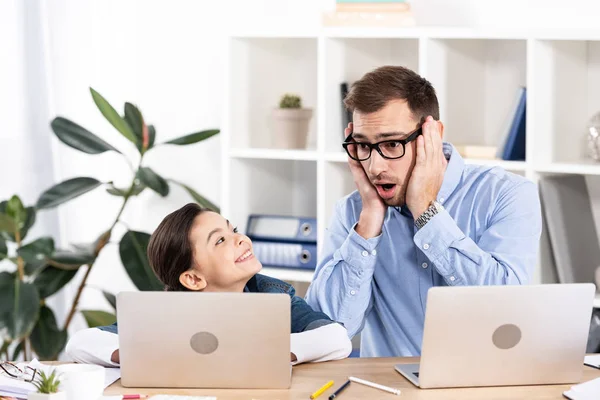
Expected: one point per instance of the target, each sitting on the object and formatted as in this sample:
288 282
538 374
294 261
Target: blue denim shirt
303 317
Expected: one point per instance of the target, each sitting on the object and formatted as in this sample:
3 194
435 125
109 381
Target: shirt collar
453 174
454 171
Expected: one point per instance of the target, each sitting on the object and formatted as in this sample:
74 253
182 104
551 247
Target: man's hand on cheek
427 176
373 207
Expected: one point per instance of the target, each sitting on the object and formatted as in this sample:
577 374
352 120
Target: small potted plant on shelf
47 387
290 123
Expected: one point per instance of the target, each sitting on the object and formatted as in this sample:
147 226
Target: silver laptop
503 335
204 340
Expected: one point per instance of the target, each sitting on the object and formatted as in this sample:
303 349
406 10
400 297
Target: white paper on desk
592 361
589 390
111 375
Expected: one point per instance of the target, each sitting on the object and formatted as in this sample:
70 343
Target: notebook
592 361
589 390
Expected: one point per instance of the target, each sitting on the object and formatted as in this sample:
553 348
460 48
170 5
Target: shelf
434 32
581 168
477 74
270 186
487 77
507 165
426 32
262 70
347 59
274 154
288 274
336 156
564 98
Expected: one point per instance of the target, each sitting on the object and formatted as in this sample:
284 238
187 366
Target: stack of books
374 13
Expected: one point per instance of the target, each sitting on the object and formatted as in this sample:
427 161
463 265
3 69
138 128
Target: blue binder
286 255
281 228
284 242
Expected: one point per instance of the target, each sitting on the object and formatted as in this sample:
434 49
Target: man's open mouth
386 190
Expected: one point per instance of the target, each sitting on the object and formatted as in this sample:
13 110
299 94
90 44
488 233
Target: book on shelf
372 7
346 114
513 135
475 151
375 13
370 1
369 19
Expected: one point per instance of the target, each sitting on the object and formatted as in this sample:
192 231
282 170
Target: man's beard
399 199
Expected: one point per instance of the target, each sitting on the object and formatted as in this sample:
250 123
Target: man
420 218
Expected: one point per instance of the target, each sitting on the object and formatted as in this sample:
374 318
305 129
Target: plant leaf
47 339
133 249
198 198
112 116
7 224
194 137
115 191
35 254
51 280
134 118
65 191
19 306
15 210
151 136
111 298
29 221
4 347
96 318
78 137
70 259
3 249
153 181
17 351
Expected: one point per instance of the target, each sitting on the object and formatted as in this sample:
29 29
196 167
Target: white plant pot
290 127
44 396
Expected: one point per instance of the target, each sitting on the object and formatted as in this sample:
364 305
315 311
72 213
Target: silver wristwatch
433 209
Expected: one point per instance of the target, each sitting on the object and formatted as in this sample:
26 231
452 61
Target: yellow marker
320 391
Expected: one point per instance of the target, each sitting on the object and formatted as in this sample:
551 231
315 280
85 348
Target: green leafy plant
41 270
290 101
47 384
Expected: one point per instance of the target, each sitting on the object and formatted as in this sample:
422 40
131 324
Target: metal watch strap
433 209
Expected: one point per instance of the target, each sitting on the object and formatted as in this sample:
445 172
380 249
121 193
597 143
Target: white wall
167 57
26 161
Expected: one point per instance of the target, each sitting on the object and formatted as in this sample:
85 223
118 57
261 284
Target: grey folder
571 227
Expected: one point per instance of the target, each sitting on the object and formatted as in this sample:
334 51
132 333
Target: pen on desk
321 390
337 392
375 385
134 396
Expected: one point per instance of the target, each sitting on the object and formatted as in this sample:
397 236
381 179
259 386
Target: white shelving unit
476 73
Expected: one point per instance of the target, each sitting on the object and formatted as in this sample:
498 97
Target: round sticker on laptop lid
204 343
506 336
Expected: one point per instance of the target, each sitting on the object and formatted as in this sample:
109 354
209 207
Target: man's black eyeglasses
388 149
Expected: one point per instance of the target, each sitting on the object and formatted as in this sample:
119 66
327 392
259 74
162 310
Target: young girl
194 249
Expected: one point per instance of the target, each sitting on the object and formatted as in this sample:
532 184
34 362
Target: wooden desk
309 377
